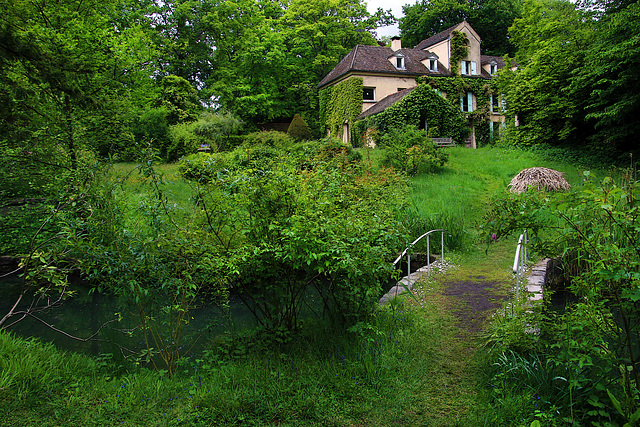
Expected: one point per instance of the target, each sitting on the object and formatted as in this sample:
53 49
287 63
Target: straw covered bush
540 179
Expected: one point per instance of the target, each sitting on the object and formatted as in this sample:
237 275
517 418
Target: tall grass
317 378
457 197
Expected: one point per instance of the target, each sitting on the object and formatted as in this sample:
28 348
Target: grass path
453 307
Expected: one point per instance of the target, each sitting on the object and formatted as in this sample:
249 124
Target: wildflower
494 237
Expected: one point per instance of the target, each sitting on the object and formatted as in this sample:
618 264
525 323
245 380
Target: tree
551 38
267 62
429 17
610 81
64 68
490 18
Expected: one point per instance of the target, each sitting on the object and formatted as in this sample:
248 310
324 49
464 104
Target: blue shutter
469 101
473 68
461 103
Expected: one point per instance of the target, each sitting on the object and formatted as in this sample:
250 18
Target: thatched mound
539 178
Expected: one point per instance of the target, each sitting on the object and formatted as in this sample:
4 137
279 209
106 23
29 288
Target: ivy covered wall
339 103
343 103
455 87
422 105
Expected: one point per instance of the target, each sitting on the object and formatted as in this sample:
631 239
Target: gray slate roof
385 102
441 36
375 59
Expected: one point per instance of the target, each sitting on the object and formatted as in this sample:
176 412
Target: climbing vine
459 49
340 103
454 88
423 106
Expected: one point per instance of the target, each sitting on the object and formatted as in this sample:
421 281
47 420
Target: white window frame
468 68
469 102
400 65
433 64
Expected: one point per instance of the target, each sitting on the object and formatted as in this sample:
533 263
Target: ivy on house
341 103
423 107
459 49
454 88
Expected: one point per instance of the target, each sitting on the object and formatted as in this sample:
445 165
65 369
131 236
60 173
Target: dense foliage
576 76
424 108
114 76
309 218
593 346
340 104
410 150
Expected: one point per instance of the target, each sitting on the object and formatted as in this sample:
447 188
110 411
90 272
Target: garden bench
444 142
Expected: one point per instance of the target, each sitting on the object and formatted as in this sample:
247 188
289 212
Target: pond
84 314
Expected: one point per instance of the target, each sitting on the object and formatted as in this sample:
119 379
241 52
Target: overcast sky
396 9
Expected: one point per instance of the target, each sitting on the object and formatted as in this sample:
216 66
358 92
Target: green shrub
298 129
408 149
219 130
182 141
271 138
203 167
152 127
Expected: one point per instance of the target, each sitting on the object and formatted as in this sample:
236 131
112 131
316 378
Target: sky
396 9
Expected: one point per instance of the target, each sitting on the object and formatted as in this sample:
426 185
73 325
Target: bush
219 130
203 167
182 141
298 129
410 150
270 138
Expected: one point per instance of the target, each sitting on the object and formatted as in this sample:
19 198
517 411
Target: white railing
408 248
520 260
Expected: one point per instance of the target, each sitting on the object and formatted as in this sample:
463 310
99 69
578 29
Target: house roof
441 36
485 59
375 59
385 102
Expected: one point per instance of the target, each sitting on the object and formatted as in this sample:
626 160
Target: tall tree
551 38
490 18
429 17
266 63
63 65
610 81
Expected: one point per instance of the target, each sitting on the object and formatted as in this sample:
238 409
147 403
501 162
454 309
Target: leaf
616 403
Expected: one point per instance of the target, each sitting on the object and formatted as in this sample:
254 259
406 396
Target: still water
84 314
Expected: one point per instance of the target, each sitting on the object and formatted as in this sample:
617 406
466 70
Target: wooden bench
444 142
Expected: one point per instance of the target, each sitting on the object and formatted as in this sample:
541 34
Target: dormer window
493 67
397 60
433 65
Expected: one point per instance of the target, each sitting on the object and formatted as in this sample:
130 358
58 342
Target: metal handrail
405 252
520 259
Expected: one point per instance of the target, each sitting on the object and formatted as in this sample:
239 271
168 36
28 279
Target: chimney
396 43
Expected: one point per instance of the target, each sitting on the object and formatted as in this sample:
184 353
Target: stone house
387 71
